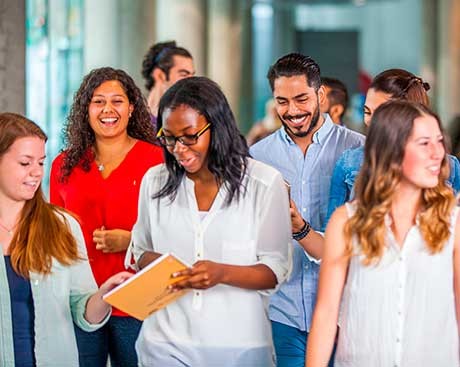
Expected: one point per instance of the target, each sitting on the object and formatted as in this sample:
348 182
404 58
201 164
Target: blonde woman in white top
226 214
390 274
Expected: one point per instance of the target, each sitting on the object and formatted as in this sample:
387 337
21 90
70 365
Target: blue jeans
290 346
115 339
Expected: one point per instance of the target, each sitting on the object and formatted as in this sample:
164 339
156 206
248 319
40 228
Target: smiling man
304 150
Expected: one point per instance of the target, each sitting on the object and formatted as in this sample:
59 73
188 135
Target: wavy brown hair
390 129
42 232
79 136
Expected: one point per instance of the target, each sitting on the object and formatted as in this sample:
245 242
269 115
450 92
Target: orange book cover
147 291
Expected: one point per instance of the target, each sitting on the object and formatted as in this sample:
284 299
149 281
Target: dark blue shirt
22 311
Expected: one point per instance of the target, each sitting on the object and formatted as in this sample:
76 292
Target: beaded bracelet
303 232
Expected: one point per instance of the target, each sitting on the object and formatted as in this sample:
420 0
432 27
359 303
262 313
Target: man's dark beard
302 134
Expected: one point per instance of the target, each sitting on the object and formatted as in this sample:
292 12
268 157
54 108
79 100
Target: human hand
296 218
203 274
111 240
113 281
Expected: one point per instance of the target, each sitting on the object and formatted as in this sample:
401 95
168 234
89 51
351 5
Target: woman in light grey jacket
45 278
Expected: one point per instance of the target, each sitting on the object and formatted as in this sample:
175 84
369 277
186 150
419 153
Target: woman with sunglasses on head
46 283
110 146
392 84
390 271
228 215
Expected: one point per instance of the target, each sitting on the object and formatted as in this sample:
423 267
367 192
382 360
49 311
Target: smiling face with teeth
109 110
21 169
297 105
423 154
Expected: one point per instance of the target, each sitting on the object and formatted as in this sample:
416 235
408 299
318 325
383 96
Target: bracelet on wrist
303 232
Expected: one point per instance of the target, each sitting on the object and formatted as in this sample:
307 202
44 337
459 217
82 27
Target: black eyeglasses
170 140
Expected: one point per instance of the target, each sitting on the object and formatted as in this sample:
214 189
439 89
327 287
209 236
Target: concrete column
225 47
449 60
137 34
429 47
184 22
12 55
125 30
102 30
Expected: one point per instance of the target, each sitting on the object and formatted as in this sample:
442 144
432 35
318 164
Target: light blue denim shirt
59 300
309 177
347 168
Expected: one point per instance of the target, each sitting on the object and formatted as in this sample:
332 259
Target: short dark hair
338 93
402 84
294 64
161 55
228 150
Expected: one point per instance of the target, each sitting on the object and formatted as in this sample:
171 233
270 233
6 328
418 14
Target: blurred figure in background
164 64
336 101
266 126
390 84
109 146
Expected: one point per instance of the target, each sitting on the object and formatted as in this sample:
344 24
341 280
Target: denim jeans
290 346
115 339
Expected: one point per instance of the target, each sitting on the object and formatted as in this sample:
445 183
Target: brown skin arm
206 274
146 258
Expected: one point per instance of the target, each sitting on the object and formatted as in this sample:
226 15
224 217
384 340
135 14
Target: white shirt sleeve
141 240
274 232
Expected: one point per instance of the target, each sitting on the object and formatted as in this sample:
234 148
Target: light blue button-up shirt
346 171
310 178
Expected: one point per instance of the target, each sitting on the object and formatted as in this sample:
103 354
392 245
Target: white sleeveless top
401 311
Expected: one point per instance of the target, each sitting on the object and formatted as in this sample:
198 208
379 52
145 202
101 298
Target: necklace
5 228
102 166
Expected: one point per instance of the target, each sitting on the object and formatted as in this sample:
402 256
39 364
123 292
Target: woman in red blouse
109 147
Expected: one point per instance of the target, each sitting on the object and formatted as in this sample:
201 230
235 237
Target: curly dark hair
228 150
161 55
78 134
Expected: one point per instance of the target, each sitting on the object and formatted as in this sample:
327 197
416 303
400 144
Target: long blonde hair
380 174
42 232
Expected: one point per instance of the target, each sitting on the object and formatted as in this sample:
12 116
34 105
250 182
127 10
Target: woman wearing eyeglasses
109 148
228 215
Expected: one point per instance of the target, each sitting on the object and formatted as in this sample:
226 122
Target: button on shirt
223 323
309 177
400 311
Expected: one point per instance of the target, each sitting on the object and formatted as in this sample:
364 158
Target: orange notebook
147 291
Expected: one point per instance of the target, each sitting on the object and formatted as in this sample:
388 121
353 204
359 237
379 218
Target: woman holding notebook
228 215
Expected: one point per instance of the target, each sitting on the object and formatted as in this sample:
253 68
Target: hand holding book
203 275
150 289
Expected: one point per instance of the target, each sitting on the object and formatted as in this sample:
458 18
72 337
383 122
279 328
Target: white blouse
401 311
224 325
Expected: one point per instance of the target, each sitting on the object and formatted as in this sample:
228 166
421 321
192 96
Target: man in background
336 101
164 64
